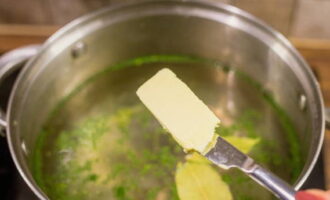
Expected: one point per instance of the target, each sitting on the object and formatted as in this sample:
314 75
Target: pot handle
10 62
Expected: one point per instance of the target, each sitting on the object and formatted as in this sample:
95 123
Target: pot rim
218 6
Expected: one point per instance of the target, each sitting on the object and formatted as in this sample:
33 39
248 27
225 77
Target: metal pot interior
89 72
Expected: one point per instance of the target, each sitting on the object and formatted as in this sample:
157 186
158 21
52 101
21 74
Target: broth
102 143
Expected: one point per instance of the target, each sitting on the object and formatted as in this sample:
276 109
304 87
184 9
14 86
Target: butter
180 111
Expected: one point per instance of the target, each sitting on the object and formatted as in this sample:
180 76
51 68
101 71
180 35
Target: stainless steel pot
198 28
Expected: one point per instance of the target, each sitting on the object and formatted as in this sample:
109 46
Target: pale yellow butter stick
179 110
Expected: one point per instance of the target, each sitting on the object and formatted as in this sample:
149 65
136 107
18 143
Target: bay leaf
244 144
196 179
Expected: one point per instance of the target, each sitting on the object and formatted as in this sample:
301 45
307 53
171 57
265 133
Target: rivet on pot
15 123
78 50
24 148
302 102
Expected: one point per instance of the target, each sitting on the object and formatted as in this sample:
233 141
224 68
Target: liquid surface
115 149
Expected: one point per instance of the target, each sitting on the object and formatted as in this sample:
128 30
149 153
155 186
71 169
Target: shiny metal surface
327 117
9 62
3 123
197 28
273 183
227 156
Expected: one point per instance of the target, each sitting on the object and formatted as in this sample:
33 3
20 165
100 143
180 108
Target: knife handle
273 183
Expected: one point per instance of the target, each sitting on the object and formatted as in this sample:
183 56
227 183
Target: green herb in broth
117 166
262 150
295 162
118 169
245 126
